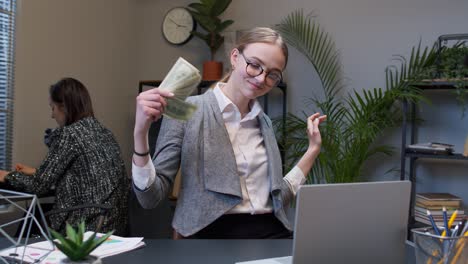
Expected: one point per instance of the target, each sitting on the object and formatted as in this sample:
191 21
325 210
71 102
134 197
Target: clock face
177 25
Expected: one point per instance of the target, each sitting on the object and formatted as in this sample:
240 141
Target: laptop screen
352 223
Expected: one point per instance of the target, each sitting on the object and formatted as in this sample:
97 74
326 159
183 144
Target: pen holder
434 249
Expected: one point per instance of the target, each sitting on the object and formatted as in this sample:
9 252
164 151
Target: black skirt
244 226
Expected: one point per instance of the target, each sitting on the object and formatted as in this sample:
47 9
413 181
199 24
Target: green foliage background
355 121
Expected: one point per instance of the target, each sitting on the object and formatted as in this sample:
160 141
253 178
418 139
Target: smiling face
258 57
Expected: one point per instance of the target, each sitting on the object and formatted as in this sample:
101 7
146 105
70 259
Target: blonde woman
232 181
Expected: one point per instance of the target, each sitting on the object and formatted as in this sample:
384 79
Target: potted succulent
207 13
75 247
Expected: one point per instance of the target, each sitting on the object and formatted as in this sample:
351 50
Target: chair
104 210
150 223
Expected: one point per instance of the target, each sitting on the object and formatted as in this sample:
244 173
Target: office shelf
454 156
409 109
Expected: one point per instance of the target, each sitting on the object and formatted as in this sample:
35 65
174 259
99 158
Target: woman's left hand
25 169
313 132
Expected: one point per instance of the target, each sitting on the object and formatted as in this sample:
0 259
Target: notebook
349 223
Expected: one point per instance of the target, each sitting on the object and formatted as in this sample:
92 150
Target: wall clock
177 26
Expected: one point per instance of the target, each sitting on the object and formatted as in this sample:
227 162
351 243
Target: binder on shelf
431 148
442 199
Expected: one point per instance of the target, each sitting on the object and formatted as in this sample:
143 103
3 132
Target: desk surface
203 251
210 251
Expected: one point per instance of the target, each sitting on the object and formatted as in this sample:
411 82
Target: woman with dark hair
232 181
83 166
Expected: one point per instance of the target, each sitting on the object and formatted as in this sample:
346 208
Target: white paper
49 254
279 260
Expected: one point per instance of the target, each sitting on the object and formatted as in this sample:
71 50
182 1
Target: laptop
349 223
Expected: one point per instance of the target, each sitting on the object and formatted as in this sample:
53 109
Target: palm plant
354 122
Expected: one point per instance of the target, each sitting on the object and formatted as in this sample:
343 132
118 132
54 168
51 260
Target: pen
455 231
452 219
462 224
436 229
465 227
446 225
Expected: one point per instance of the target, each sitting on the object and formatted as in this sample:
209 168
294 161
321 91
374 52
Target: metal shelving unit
409 109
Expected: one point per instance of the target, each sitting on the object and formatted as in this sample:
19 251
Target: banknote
179 109
182 79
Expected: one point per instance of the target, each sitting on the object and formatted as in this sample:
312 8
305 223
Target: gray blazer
210 181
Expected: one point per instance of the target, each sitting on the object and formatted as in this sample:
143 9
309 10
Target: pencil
446 225
450 223
436 229
460 245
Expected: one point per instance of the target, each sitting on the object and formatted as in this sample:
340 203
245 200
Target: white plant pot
89 260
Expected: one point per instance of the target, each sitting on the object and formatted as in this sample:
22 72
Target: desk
211 251
205 251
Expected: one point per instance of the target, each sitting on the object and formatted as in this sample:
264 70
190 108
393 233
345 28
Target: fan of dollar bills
181 80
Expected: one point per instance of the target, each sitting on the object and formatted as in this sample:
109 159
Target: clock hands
178 25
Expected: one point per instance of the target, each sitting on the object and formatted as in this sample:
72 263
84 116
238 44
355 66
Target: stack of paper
46 252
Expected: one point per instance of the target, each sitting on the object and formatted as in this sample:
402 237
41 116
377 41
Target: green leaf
71 234
92 243
219 6
207 23
64 241
81 231
221 27
201 36
70 253
201 9
208 3
101 240
76 249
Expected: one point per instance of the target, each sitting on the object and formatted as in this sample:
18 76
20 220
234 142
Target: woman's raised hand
313 132
149 107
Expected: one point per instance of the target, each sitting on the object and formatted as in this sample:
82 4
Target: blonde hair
260 35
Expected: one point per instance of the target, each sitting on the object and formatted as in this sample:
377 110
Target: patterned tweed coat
83 166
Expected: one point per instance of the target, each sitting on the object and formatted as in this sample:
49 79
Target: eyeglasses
272 78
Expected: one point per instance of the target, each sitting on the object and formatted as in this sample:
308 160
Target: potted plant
355 121
75 247
452 66
207 13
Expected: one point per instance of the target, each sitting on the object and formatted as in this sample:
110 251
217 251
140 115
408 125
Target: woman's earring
233 67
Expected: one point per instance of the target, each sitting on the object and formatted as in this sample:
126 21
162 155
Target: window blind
7 41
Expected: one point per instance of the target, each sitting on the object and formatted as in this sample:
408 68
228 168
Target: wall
87 39
367 34
111 44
